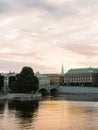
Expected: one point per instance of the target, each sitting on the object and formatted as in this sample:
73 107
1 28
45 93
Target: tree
12 82
1 82
26 82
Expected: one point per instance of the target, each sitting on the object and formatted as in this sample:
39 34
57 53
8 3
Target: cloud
26 55
10 5
57 9
88 63
87 2
14 66
43 32
44 5
82 49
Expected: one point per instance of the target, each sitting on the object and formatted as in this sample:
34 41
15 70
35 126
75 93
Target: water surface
56 113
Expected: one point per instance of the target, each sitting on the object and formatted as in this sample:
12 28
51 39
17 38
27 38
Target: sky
43 34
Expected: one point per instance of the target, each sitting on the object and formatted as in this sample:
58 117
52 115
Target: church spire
62 70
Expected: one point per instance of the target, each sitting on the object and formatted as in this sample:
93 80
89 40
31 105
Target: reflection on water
2 105
24 110
23 106
55 113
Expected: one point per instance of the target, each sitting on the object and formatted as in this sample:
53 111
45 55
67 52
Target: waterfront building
56 80
82 77
7 81
44 80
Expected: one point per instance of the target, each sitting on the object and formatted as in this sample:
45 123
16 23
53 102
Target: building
56 80
43 79
7 81
82 77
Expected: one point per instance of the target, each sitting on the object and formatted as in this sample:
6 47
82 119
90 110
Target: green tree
12 82
1 82
26 82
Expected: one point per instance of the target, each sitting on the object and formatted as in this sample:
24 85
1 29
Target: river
52 113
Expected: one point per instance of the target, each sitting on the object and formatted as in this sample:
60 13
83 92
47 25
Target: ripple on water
50 114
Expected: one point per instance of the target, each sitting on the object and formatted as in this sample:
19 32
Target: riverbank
18 96
77 90
78 97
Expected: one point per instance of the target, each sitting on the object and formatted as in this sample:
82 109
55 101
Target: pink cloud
6 66
30 55
82 49
88 63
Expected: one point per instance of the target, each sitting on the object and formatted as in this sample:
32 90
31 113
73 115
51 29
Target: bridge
47 89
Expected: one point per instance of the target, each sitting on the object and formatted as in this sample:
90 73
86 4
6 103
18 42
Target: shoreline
18 96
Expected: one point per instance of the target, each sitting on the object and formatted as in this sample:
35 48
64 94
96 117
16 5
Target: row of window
78 80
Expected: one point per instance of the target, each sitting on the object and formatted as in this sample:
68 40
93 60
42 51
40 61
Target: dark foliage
1 82
12 81
26 82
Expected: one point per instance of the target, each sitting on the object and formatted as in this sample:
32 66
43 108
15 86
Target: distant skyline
44 33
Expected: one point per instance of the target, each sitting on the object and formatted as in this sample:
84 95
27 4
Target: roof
83 70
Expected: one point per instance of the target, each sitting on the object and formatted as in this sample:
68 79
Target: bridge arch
43 91
53 91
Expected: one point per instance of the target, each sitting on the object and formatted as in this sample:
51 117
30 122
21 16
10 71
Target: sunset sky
43 34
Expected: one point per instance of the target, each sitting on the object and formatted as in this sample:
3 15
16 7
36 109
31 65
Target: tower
62 70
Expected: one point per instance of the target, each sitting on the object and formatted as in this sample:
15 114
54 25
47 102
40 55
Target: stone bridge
48 89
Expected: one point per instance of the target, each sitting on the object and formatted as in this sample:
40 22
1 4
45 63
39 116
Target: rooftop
83 70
